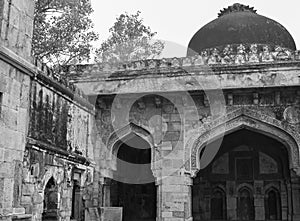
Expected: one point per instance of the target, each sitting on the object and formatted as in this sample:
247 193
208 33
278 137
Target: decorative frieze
236 54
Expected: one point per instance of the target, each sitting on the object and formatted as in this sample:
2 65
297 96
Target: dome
240 24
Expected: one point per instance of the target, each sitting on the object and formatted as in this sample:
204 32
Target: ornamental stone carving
241 55
241 118
228 54
253 54
292 114
266 54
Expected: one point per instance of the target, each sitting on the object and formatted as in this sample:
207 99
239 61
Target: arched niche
234 121
50 205
272 204
245 204
218 204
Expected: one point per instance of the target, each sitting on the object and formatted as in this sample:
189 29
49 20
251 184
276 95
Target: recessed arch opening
133 187
50 201
246 163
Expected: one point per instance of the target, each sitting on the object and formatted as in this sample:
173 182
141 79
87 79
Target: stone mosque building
210 136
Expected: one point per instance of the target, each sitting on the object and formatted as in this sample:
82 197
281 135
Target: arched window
218 205
245 204
50 200
272 205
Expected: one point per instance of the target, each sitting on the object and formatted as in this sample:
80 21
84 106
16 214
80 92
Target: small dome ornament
236 8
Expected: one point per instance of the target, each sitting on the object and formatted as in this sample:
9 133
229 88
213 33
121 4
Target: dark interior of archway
245 158
134 188
50 201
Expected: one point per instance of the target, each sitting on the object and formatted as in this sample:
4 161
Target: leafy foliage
63 31
129 40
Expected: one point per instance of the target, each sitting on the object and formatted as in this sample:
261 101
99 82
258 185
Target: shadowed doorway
133 187
247 180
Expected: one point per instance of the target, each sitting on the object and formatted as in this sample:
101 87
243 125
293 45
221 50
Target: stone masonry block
166 145
14 140
8 192
6 170
173 219
12 155
19 210
173 206
1 154
175 118
4 8
177 163
178 145
3 83
27 189
170 136
178 214
259 202
173 180
171 188
167 163
175 197
9 118
167 214
24 96
22 120
175 126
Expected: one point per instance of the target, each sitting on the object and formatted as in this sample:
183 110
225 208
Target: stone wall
46 127
59 143
17 26
15 89
47 131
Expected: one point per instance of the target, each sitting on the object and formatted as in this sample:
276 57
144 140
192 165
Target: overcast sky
177 21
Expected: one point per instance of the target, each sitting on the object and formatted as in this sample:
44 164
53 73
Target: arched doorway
252 170
50 201
272 204
245 204
133 187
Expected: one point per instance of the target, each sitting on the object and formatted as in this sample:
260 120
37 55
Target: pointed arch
245 203
272 204
242 186
50 205
218 204
124 133
238 119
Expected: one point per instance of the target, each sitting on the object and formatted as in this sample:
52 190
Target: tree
63 31
129 40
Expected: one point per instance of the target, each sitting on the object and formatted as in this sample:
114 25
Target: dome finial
237 7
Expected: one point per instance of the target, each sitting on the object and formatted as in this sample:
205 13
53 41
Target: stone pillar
259 200
295 186
290 201
284 201
105 185
231 200
158 184
176 193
